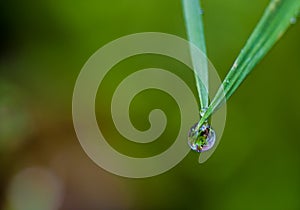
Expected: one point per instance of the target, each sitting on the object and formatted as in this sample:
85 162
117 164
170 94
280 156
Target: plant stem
195 32
277 17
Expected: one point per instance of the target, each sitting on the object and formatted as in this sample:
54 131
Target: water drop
201 139
235 65
202 112
293 20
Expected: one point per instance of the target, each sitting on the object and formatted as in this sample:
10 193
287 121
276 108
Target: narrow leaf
194 26
277 18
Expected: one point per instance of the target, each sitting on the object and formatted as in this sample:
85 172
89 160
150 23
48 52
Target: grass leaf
194 26
277 18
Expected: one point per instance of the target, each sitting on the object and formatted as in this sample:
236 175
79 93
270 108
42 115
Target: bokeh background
44 45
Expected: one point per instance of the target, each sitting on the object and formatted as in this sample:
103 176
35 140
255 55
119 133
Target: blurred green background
43 48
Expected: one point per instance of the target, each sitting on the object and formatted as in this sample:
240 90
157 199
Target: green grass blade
195 32
277 17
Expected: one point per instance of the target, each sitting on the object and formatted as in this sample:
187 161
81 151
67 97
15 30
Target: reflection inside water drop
201 139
